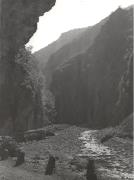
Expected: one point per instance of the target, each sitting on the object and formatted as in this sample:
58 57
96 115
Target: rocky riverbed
72 147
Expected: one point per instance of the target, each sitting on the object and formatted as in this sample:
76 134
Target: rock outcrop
18 22
95 87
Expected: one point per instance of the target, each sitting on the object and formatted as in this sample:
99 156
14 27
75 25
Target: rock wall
95 87
79 43
18 22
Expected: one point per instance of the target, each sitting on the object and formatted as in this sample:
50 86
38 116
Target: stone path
114 158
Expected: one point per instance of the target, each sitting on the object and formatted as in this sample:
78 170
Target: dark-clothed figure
20 158
50 166
91 175
3 153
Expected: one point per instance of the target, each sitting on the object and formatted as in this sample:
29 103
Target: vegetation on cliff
33 104
18 22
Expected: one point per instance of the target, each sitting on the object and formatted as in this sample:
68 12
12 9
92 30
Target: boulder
78 163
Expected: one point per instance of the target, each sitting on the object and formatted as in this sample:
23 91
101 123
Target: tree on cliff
29 78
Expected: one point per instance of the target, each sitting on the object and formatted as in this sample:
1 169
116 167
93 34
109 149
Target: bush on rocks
106 138
8 144
37 135
19 137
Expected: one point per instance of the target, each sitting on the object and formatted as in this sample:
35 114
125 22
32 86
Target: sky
71 14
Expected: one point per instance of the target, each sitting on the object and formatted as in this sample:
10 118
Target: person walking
50 165
91 175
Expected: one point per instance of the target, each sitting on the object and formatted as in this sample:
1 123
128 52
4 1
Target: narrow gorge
66 110
91 76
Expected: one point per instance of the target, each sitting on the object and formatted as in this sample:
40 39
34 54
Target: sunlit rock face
18 22
95 87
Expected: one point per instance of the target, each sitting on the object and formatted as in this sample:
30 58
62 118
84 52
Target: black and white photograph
66 89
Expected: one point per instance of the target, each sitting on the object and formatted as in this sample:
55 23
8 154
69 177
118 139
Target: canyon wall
96 86
18 22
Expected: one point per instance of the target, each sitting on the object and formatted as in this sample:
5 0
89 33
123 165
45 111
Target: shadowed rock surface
96 87
18 23
75 42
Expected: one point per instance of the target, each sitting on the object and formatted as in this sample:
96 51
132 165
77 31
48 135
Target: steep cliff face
44 54
96 87
18 22
79 44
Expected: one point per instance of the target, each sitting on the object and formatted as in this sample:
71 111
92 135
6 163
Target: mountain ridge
43 54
